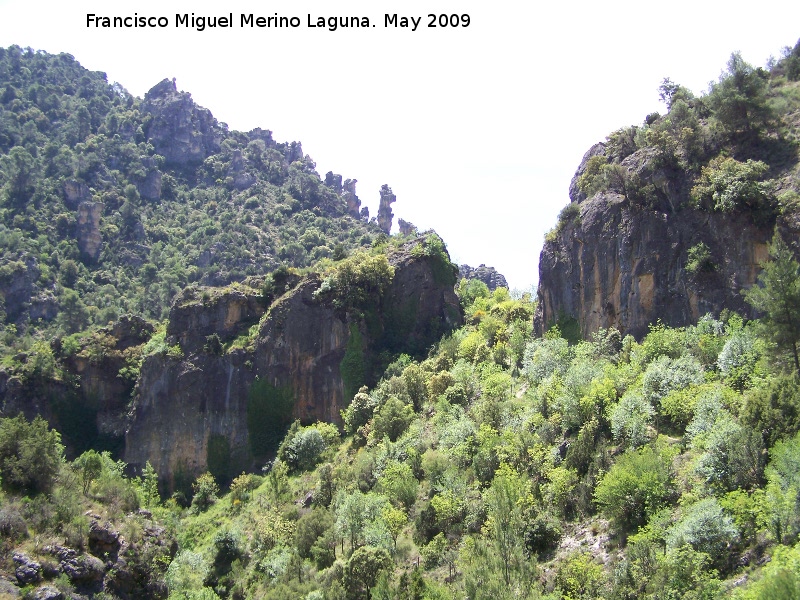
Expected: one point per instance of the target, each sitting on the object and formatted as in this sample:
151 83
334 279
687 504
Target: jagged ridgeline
110 204
671 219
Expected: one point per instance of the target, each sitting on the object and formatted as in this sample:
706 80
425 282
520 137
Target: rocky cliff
182 132
488 275
86 396
232 376
615 260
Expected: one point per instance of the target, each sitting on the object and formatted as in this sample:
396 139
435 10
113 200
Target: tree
89 465
739 99
17 169
359 412
362 570
399 484
354 512
392 419
395 519
30 454
706 528
636 487
205 490
503 502
778 297
302 447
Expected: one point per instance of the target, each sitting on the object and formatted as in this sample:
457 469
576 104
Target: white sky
478 130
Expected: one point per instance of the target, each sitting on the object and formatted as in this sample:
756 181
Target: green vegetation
72 142
503 464
491 465
706 146
778 297
30 454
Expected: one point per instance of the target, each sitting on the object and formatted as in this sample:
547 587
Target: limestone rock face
95 390
487 275
76 192
349 195
90 240
188 407
182 132
149 186
385 214
200 312
624 266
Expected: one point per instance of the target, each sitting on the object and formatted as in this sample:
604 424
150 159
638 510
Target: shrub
399 484
302 447
579 577
544 357
31 454
630 419
357 282
359 412
706 528
570 215
773 409
726 185
638 484
738 358
12 526
664 375
392 419
698 260
591 180
205 491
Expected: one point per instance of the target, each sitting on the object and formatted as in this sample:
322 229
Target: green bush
357 282
205 490
31 454
698 260
726 185
302 447
569 215
638 484
707 529
392 419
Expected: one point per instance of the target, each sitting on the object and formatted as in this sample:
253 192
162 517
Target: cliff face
487 275
182 132
88 401
223 403
625 267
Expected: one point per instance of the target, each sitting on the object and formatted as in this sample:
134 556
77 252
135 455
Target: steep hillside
670 220
232 376
110 204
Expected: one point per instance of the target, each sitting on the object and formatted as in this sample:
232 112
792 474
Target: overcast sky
478 129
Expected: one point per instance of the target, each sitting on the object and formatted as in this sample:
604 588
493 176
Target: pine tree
778 297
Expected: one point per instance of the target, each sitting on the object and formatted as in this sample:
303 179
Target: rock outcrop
406 227
181 132
625 267
234 377
149 185
487 275
89 405
385 214
349 195
90 240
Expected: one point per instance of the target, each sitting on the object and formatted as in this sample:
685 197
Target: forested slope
582 462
